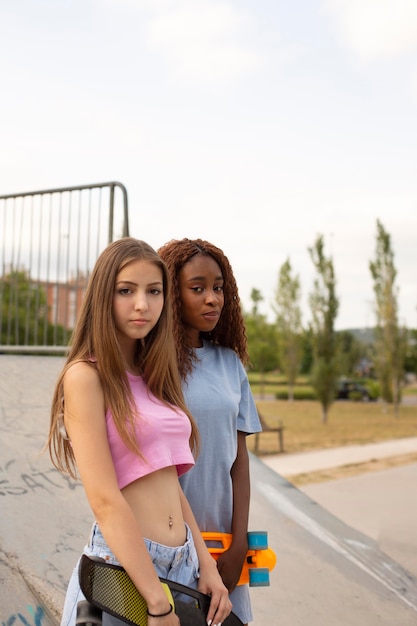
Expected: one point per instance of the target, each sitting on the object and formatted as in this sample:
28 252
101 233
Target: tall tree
324 307
262 340
288 312
350 353
410 359
390 338
307 350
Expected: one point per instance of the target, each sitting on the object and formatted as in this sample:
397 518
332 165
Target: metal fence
49 242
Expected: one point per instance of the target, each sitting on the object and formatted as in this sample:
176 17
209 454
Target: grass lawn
348 423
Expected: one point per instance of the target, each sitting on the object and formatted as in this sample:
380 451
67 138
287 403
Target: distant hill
364 335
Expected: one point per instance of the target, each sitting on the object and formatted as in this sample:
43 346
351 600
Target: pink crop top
162 435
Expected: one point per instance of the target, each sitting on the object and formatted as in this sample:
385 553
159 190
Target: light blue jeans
179 564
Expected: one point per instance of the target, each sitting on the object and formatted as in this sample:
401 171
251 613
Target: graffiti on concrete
32 481
34 619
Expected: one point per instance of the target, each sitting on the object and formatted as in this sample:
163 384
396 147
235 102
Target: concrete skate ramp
326 572
24 598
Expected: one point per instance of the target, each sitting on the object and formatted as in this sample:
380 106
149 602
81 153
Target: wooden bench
270 429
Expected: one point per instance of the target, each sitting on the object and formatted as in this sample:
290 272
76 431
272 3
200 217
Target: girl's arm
86 426
210 581
231 561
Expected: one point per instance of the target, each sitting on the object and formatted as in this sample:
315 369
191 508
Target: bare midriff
155 502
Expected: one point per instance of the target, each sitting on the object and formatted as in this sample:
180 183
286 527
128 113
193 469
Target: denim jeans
179 564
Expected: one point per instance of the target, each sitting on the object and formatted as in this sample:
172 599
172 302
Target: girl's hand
230 564
210 582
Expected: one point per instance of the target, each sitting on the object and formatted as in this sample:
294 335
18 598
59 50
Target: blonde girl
120 424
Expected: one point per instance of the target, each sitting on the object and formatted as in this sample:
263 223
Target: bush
299 393
373 388
355 396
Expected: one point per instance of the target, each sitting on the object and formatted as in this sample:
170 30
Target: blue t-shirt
218 395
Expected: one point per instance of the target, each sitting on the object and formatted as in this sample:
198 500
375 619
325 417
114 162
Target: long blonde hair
95 338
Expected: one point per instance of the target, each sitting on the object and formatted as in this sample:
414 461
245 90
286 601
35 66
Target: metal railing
49 242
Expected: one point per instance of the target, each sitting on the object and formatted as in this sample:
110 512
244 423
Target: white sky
256 124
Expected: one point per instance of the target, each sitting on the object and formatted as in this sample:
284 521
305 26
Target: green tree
350 351
307 351
288 319
262 340
324 307
410 360
391 340
20 306
24 312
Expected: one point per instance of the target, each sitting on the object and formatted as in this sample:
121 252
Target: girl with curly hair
212 351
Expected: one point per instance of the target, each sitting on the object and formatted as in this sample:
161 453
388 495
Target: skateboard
108 588
260 559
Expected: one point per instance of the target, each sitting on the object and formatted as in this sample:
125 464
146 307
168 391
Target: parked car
350 390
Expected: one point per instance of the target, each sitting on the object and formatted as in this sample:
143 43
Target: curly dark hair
230 330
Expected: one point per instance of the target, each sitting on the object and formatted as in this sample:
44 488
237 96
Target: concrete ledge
24 596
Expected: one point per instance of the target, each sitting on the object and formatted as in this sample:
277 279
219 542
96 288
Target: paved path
327 571
378 504
304 462
381 505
